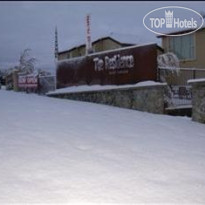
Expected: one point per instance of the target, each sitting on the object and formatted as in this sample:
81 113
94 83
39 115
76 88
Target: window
69 55
183 46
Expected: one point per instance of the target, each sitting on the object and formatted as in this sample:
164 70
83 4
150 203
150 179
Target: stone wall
198 100
142 98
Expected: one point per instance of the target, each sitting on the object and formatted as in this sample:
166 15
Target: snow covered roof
181 31
124 39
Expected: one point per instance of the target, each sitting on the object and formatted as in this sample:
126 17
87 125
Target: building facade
127 65
190 49
102 44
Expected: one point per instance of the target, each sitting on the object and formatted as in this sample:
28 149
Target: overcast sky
32 25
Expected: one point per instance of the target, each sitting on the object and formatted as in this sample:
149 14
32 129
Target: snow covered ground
60 151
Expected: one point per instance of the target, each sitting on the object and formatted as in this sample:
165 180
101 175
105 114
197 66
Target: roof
111 38
123 39
65 51
109 51
179 32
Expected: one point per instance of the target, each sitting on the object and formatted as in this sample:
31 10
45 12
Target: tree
169 70
26 63
168 65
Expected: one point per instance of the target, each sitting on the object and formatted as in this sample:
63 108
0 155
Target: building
111 42
127 65
116 59
189 49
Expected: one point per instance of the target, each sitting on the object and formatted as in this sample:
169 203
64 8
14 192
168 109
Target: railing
179 93
182 75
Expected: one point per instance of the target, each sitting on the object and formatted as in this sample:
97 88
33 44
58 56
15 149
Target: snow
168 61
128 38
87 88
179 107
180 102
199 80
61 151
176 30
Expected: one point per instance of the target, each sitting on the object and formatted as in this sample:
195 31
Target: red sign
28 81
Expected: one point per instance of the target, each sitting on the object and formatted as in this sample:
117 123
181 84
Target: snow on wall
196 80
84 88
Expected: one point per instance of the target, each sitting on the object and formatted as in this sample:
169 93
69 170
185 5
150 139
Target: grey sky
32 24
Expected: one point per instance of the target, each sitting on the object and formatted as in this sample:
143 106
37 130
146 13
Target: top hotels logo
171 19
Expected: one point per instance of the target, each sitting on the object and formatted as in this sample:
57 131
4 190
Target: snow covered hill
61 151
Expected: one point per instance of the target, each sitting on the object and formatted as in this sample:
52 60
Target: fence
46 84
179 93
36 83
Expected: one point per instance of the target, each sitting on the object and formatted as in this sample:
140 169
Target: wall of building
101 45
63 56
11 81
74 53
97 47
78 51
105 44
81 51
199 62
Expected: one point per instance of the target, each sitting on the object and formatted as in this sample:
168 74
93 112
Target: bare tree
26 62
168 64
169 69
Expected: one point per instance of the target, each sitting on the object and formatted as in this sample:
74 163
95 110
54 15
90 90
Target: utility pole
88 35
56 43
56 54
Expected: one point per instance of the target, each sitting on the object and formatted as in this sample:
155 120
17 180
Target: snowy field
60 151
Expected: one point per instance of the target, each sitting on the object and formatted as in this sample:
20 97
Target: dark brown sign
121 66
